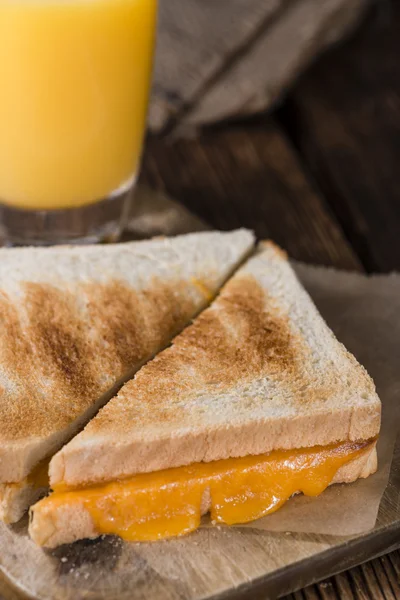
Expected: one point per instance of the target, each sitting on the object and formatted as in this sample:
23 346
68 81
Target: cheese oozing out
153 506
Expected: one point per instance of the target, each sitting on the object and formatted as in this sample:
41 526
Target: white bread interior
16 498
257 371
77 321
70 522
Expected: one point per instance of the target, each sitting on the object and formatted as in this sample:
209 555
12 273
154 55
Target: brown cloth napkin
219 59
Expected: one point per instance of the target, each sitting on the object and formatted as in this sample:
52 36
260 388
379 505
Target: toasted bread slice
257 371
77 321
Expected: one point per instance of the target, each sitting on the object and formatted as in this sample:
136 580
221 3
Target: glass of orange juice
75 77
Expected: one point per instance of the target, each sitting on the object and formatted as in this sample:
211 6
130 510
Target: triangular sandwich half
255 401
76 322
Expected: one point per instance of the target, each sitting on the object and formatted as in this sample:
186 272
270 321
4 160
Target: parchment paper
364 313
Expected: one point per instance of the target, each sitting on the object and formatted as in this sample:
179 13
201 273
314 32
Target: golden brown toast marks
54 343
248 336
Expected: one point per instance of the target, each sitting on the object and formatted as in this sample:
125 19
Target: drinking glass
75 77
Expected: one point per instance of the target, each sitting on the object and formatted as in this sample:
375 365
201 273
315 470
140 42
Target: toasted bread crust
51 528
257 371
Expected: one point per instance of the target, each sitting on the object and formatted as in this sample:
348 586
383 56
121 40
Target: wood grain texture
249 176
377 580
345 119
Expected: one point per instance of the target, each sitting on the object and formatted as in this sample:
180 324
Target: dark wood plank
375 580
345 118
248 175
391 566
378 571
378 579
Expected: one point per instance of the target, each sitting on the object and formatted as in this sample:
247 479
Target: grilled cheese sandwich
252 403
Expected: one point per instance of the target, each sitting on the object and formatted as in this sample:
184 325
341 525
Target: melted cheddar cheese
167 503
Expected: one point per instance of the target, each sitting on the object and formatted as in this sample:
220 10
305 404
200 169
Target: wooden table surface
320 177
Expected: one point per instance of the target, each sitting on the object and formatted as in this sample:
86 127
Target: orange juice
74 79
